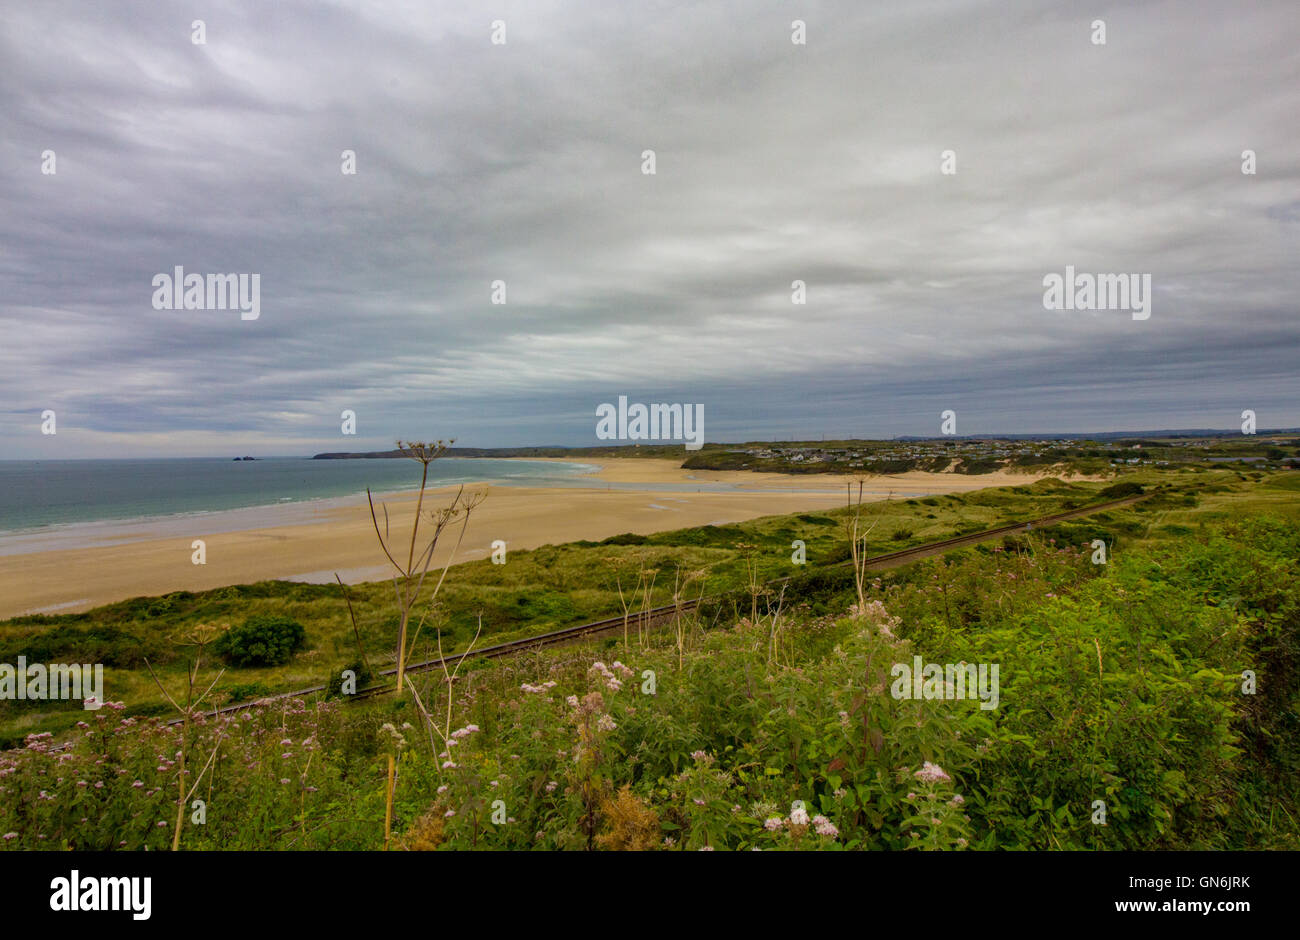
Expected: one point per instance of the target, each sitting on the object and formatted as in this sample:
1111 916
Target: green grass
1119 682
556 586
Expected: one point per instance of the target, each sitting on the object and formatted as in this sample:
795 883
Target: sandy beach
624 495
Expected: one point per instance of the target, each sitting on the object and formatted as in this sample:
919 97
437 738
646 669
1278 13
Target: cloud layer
522 163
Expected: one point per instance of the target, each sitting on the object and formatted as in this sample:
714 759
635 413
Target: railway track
658 615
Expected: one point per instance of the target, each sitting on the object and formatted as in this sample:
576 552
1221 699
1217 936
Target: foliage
261 641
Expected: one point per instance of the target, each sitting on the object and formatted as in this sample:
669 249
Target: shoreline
639 495
283 510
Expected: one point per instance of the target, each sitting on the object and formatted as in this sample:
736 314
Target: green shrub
1121 490
261 641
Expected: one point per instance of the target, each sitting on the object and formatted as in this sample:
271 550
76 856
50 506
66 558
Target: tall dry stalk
198 637
647 582
681 581
408 583
774 632
857 536
624 600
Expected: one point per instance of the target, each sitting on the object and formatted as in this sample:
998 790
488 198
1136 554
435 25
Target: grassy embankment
544 589
1119 683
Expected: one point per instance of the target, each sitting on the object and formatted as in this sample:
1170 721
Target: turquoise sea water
35 494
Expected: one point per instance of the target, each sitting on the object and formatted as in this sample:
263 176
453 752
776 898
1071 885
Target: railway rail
668 612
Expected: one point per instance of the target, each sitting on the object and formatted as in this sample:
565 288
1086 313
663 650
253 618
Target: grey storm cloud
522 162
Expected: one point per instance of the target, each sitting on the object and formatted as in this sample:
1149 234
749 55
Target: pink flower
932 773
824 827
772 823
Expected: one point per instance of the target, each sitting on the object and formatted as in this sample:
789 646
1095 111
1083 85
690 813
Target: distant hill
1189 433
676 449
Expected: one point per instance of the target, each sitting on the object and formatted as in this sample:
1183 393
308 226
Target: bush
262 641
96 644
243 691
1121 490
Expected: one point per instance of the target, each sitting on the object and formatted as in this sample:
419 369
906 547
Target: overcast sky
522 162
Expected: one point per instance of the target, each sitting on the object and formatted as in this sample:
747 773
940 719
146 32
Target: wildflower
449 765
699 802
9 836
798 815
772 824
550 786
706 848
394 735
957 800
824 827
932 773
450 813
442 789
606 723
284 779
99 784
